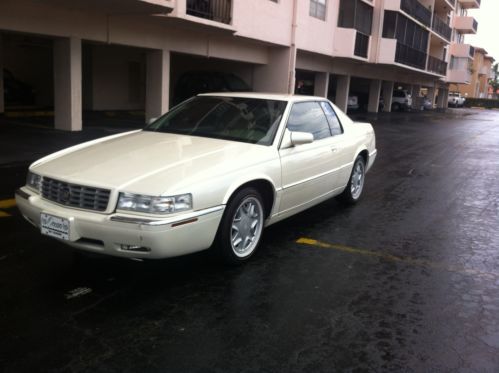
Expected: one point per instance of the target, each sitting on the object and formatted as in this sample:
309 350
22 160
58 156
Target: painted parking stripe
7 203
394 258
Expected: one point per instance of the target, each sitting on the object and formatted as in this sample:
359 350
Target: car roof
265 96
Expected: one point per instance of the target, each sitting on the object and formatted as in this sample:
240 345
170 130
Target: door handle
334 150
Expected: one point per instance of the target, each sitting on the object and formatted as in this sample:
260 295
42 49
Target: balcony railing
436 65
441 28
215 10
361 45
415 9
410 56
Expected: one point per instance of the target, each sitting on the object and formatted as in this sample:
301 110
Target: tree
494 82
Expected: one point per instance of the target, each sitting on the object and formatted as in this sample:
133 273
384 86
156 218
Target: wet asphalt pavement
407 280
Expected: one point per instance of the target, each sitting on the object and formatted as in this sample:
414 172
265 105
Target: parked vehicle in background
213 171
455 99
193 83
353 102
401 100
427 104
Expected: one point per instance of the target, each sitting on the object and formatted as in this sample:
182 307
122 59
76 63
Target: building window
318 9
406 31
356 14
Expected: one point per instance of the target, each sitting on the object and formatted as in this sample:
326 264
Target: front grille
74 195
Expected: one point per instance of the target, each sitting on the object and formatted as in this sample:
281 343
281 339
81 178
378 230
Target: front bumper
154 238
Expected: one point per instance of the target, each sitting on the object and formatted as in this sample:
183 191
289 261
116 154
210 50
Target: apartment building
461 54
480 74
130 54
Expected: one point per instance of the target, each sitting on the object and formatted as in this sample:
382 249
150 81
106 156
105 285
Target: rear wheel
241 228
355 185
395 106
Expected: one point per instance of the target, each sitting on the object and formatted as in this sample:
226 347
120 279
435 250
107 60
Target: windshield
241 119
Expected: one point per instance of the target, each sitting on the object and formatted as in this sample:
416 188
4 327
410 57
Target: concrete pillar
388 95
278 75
442 101
321 84
2 98
431 94
342 91
374 94
416 101
67 84
157 83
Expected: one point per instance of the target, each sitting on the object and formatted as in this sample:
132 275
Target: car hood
149 162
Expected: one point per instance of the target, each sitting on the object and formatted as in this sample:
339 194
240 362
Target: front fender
239 182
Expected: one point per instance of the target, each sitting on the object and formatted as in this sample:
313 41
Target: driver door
308 169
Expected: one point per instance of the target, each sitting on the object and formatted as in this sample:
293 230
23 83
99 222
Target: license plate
54 226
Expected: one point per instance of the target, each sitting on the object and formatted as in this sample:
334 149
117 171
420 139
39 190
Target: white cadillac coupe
212 172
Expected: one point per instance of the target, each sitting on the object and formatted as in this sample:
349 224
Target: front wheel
355 185
395 106
240 231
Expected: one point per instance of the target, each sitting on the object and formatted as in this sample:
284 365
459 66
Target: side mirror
300 138
150 120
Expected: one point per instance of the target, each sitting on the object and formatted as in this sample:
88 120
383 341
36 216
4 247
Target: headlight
154 205
34 181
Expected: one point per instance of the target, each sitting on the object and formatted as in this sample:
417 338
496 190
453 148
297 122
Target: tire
353 190
395 106
241 228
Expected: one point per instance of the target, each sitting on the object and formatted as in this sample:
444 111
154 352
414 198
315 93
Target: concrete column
431 94
67 84
442 101
157 83
2 98
374 94
321 84
342 91
278 75
416 101
388 95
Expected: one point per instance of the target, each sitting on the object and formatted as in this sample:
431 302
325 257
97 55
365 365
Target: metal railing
453 2
410 56
361 45
436 65
441 28
215 10
417 10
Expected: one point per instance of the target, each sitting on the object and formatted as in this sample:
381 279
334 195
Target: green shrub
482 102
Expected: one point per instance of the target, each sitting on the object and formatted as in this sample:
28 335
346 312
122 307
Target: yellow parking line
394 258
7 203
3 214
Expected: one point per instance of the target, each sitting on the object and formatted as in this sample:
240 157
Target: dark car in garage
195 82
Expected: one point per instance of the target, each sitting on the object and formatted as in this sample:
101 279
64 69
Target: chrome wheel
246 227
357 180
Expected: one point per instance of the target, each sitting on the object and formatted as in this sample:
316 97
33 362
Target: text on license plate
54 226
